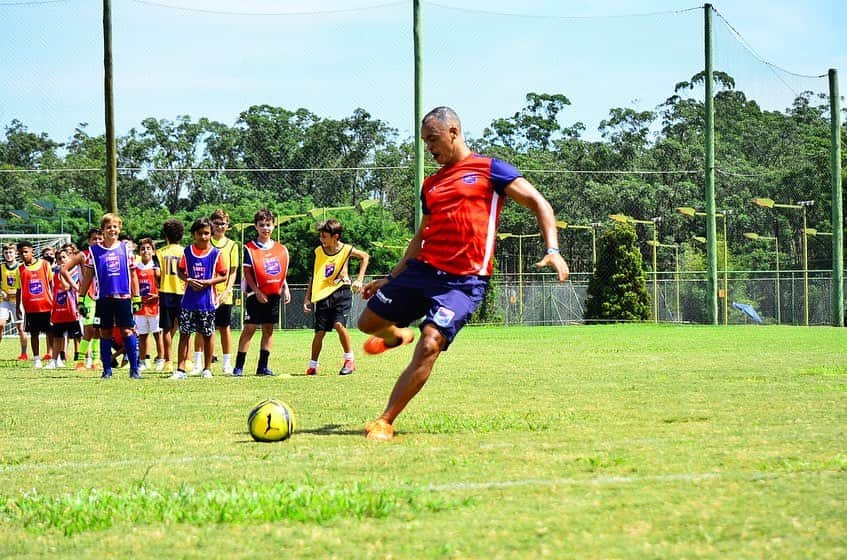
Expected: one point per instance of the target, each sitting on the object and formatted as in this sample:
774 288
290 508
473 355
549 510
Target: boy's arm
308 298
363 267
286 293
65 269
87 275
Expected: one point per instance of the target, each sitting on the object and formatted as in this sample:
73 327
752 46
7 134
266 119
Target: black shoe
106 375
265 372
133 374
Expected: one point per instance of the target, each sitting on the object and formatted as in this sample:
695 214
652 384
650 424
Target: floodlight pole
837 204
109 103
711 247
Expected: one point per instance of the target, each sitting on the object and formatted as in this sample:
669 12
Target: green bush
618 290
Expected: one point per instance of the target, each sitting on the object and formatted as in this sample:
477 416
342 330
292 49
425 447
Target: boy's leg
243 345
349 364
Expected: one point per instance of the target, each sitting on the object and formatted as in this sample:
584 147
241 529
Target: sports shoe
50 365
22 357
348 367
89 364
159 364
106 374
47 356
36 363
376 345
196 369
178 375
133 374
228 369
237 372
379 430
312 371
60 363
142 365
168 367
207 374
264 372
79 366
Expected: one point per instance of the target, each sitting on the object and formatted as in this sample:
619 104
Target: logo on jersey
144 288
113 264
198 270
272 266
443 317
36 288
61 298
329 270
469 179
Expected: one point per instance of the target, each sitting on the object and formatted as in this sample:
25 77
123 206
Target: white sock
227 358
198 359
348 356
314 364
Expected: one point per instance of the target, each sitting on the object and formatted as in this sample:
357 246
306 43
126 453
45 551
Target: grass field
628 441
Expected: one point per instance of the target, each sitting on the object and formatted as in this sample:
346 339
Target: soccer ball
271 420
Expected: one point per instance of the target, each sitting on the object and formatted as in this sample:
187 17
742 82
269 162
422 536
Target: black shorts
71 329
37 322
335 308
169 305
256 313
223 316
113 312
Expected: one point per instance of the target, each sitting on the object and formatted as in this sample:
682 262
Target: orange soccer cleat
379 430
376 345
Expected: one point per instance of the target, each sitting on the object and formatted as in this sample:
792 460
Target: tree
618 290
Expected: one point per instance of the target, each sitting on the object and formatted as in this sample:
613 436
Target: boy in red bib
264 284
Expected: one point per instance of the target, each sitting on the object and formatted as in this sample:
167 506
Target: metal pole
837 204
417 34
655 275
778 290
711 247
725 274
676 274
520 277
805 271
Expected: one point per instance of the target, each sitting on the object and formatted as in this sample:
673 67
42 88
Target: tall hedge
618 289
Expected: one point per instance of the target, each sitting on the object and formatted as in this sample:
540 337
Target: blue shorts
113 312
444 300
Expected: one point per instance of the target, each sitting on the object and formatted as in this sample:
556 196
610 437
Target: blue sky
215 58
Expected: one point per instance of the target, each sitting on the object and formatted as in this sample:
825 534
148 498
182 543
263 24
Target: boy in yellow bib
331 291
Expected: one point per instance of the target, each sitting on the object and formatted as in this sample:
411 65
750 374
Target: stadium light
361 207
561 224
800 205
623 218
754 237
690 212
520 239
51 207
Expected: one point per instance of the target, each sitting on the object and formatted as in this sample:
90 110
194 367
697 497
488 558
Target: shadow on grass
326 430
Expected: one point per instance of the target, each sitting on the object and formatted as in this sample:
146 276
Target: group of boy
110 293
39 301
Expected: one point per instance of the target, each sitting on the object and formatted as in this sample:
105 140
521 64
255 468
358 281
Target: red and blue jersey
64 303
201 266
463 202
